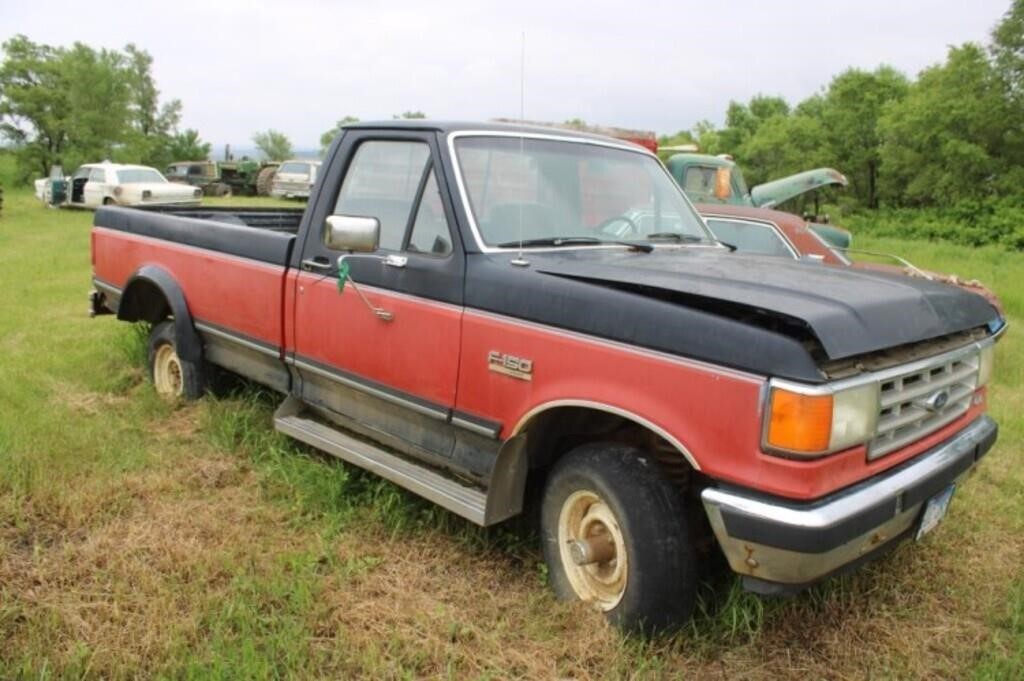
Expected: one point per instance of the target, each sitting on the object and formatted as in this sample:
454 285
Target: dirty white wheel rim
167 373
584 517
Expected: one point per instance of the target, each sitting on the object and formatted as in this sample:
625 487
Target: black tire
660 572
265 180
173 377
107 201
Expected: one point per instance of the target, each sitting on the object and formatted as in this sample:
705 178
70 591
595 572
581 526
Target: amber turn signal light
800 423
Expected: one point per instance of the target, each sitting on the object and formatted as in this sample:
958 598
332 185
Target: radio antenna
519 260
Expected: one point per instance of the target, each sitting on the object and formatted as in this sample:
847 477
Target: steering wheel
629 229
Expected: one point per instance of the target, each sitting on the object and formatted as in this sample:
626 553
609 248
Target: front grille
920 401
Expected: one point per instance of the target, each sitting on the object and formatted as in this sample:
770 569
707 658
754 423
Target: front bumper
780 546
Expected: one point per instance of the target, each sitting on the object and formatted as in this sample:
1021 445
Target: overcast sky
298 65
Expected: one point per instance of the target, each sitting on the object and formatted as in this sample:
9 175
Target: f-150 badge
516 367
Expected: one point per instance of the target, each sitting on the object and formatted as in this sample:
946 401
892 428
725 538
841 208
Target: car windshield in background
750 237
533 189
138 175
294 168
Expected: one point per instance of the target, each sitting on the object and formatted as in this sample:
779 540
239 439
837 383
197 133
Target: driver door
95 188
392 374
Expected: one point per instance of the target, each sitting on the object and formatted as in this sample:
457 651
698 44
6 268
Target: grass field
141 539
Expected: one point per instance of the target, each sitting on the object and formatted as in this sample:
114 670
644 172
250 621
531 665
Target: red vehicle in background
764 231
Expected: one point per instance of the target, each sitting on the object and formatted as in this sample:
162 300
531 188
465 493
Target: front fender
150 295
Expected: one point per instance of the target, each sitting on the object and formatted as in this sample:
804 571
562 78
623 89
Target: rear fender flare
137 305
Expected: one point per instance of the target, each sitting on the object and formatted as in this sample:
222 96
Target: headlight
811 421
986 361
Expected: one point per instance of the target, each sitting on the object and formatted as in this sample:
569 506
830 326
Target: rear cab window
751 237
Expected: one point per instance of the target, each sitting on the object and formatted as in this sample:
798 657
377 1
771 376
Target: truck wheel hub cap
586 518
167 373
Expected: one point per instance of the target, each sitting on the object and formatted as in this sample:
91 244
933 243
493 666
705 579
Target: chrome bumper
780 546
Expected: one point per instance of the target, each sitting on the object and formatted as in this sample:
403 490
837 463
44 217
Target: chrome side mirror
352 233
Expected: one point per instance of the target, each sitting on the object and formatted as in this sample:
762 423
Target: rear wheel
264 180
615 536
173 377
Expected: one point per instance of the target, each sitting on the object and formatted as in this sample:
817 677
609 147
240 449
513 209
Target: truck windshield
137 175
535 189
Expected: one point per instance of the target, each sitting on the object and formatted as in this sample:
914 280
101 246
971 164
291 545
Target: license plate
934 510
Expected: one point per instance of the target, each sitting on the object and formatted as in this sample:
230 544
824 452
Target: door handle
396 260
318 263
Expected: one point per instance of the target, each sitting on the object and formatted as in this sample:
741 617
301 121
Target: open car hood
778 191
850 312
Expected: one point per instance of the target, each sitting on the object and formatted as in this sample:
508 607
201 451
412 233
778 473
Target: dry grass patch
118 597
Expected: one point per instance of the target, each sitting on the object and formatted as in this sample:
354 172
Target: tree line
953 134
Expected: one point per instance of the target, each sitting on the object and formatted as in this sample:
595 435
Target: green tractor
225 178
717 179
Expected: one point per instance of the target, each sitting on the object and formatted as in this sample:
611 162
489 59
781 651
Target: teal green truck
717 179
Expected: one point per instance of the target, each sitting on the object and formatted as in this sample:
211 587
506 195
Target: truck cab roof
447 127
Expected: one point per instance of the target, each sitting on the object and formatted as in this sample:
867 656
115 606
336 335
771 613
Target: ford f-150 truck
460 310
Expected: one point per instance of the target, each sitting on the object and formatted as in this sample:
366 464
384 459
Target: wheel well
143 301
553 432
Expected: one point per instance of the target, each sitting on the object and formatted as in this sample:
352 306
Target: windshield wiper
688 238
574 241
676 236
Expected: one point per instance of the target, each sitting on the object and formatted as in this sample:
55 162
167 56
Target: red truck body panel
236 293
417 353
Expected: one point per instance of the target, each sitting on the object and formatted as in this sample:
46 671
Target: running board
469 502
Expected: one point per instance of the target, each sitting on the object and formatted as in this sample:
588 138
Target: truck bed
230 266
253 233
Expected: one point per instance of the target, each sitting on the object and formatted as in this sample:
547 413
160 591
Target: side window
97 175
750 237
382 182
430 233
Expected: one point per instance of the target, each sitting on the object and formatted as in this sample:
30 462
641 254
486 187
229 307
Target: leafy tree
71 105
946 140
186 146
783 145
849 113
743 120
328 136
151 124
709 138
1008 48
274 145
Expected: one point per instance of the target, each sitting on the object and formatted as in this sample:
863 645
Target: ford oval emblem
936 401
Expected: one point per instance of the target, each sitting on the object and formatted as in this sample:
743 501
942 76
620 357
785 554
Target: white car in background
101 184
294 179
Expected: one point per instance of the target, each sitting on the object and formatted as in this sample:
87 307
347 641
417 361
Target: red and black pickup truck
473 311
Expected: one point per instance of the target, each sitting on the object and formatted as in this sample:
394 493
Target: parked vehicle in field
718 180
763 231
224 178
102 184
295 179
459 311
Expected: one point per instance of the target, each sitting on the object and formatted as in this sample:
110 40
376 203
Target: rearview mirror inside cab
352 233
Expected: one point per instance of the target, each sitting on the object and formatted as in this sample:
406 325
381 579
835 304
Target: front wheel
173 377
615 535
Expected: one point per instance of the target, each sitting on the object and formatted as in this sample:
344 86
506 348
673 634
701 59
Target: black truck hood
848 311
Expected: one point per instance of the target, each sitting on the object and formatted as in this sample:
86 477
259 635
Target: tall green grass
78 419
